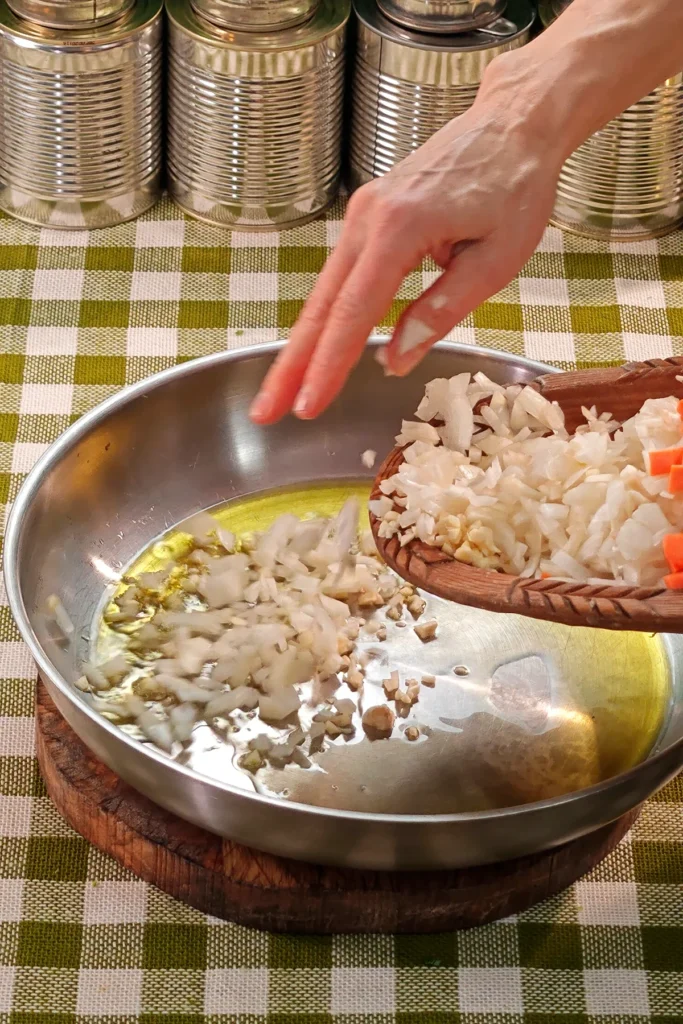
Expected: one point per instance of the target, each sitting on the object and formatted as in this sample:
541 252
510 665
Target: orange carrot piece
680 408
661 461
676 480
673 551
546 576
674 581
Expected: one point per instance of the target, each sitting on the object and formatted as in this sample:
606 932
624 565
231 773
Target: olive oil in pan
536 709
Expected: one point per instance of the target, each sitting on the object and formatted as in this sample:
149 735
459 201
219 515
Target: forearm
596 60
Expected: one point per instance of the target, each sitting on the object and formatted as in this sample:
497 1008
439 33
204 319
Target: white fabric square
617 991
54 238
647 247
6 988
254 240
490 990
47 399
546 345
333 230
152 341
363 990
552 241
17 736
156 286
647 346
51 341
608 903
159 234
11 895
25 454
114 903
58 284
645 294
109 991
15 814
246 286
235 990
16 663
543 291
462 335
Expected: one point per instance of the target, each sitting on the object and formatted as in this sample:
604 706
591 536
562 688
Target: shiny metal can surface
255 15
625 183
443 15
407 85
80 119
70 14
255 120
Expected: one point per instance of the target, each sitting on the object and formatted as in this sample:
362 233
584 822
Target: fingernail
261 408
303 406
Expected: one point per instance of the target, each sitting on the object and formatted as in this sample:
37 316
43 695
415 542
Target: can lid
77 39
70 14
447 16
255 15
519 17
328 17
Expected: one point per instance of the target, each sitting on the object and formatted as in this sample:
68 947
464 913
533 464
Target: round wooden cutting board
262 891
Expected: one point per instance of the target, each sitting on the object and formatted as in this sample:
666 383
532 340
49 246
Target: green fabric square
17 774
440 950
589 266
9 941
671 793
663 950
49 944
550 946
112 945
54 1017
303 259
15 311
429 1017
4 487
294 951
103 313
499 316
59 858
109 257
168 946
674 316
288 312
204 259
18 257
398 306
612 947
299 1018
200 315
671 267
12 369
100 370
658 862
596 319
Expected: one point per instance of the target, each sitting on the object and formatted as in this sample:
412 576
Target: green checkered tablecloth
81 940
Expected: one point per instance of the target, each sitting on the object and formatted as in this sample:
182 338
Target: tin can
255 119
255 15
443 15
407 85
70 14
80 119
625 183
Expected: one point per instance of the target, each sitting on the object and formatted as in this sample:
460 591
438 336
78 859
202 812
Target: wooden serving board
256 889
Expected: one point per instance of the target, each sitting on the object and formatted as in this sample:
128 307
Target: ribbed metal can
407 85
443 15
255 15
70 14
255 119
625 183
80 119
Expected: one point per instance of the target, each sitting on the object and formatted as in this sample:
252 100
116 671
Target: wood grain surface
620 391
256 889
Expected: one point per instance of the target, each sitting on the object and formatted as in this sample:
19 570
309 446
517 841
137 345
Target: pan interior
535 709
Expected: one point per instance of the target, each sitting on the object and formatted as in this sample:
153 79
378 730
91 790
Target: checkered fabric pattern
81 940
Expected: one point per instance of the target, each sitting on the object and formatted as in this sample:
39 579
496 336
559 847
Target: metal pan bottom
521 710
79 215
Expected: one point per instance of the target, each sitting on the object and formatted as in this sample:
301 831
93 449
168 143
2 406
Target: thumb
473 275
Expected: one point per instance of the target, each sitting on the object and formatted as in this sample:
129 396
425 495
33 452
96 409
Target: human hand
476 197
